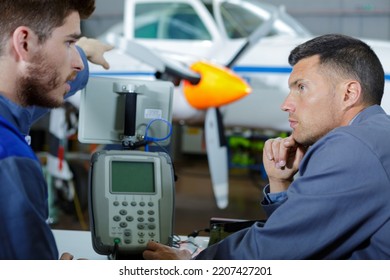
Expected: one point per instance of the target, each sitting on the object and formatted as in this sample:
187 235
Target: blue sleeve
270 198
79 83
82 77
24 233
327 214
272 201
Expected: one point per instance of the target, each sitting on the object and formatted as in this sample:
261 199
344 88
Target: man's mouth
71 77
293 123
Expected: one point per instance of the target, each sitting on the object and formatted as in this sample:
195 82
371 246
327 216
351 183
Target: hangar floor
195 203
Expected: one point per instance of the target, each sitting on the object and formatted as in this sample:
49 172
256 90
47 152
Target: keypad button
116 218
129 218
140 226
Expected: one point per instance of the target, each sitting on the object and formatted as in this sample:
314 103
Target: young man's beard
37 88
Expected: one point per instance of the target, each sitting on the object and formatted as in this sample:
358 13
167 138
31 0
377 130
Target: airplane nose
218 86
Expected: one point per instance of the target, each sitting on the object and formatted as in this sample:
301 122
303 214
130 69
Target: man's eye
70 43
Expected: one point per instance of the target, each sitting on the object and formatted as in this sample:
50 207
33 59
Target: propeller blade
217 156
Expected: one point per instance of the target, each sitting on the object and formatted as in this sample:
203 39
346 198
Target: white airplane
254 39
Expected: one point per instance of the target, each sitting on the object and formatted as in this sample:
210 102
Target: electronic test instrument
131 192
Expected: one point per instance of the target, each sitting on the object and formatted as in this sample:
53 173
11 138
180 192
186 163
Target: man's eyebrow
74 36
294 83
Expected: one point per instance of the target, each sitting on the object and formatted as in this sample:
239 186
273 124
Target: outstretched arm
94 50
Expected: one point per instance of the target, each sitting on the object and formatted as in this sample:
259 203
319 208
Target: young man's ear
352 93
25 42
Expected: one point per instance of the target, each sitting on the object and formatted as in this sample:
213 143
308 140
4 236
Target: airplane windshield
239 22
175 21
241 18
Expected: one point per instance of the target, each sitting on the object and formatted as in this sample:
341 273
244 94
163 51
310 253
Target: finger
153 245
289 142
153 251
283 155
286 151
287 146
267 150
106 66
277 150
108 48
104 63
66 256
149 255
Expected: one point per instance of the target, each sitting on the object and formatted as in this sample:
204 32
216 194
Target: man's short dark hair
348 57
42 16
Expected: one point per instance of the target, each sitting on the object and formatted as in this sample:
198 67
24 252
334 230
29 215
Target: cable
153 139
176 240
173 165
114 254
189 244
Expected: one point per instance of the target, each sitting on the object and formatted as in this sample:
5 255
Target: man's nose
77 61
287 104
